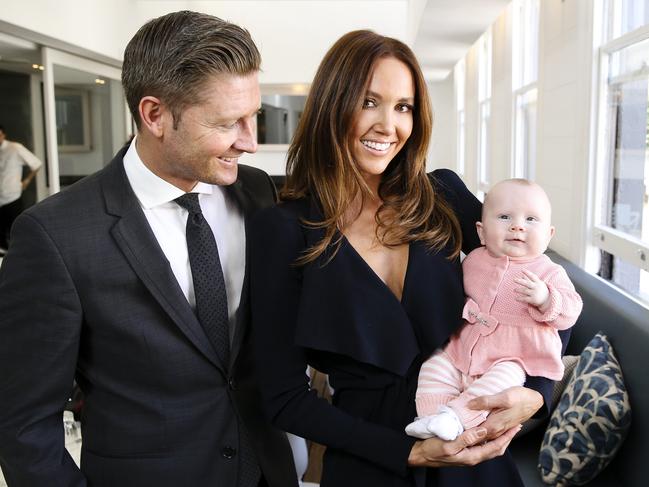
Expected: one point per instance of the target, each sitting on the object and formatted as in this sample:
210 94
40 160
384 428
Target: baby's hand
532 290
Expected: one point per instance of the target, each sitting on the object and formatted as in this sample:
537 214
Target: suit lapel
137 242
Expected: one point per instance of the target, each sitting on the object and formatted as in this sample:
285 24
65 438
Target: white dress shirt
168 220
13 156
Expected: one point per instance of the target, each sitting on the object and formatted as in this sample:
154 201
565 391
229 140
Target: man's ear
153 115
478 226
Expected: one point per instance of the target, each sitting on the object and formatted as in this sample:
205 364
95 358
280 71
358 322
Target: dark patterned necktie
212 311
207 275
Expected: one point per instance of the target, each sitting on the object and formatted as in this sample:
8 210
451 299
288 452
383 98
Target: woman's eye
404 107
369 103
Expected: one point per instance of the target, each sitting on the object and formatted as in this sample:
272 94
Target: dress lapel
137 242
346 309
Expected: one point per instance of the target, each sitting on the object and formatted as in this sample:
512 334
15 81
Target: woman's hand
509 408
463 451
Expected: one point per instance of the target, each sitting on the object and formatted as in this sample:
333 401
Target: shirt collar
150 189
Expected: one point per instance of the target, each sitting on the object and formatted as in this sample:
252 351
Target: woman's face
385 121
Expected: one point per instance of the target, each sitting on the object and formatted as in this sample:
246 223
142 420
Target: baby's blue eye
531 219
503 217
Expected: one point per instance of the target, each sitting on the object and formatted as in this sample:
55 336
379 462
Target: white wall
500 149
441 152
565 89
98 25
564 100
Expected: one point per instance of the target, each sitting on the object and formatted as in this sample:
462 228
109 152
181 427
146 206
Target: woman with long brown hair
357 273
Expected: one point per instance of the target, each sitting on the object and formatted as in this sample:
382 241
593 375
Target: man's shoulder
13 146
249 175
251 172
75 201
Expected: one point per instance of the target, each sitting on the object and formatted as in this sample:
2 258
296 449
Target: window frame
603 237
524 82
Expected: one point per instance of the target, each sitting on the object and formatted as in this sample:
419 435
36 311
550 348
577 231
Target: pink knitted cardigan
499 328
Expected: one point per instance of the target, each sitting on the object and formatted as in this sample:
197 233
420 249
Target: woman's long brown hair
320 164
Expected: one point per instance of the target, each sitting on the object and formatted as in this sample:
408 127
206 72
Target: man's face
212 134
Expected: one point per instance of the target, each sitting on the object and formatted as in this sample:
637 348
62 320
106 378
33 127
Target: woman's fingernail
481 433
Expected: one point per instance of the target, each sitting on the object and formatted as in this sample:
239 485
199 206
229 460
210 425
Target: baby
517 299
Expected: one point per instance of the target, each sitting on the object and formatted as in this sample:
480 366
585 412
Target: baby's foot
419 428
445 425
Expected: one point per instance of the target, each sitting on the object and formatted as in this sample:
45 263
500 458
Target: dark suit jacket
87 292
339 317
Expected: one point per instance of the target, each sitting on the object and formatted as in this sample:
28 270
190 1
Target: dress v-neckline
377 277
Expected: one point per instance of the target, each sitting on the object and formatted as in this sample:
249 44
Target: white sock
445 424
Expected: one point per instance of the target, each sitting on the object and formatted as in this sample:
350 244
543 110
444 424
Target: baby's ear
552 230
478 226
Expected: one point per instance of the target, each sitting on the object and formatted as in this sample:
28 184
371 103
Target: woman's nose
385 123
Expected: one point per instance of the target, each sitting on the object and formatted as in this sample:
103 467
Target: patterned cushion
590 422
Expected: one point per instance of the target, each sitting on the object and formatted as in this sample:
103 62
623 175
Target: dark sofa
627 325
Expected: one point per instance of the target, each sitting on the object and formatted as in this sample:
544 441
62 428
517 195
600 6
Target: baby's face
516 221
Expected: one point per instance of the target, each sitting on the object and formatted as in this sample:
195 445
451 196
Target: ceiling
448 29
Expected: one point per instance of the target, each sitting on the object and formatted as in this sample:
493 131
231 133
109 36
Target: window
459 79
525 60
72 119
621 210
484 109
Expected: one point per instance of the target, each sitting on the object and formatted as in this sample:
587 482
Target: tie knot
189 201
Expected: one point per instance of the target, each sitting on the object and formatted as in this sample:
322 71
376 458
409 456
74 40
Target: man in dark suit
101 285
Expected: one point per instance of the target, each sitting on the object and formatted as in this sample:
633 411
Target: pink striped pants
440 383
